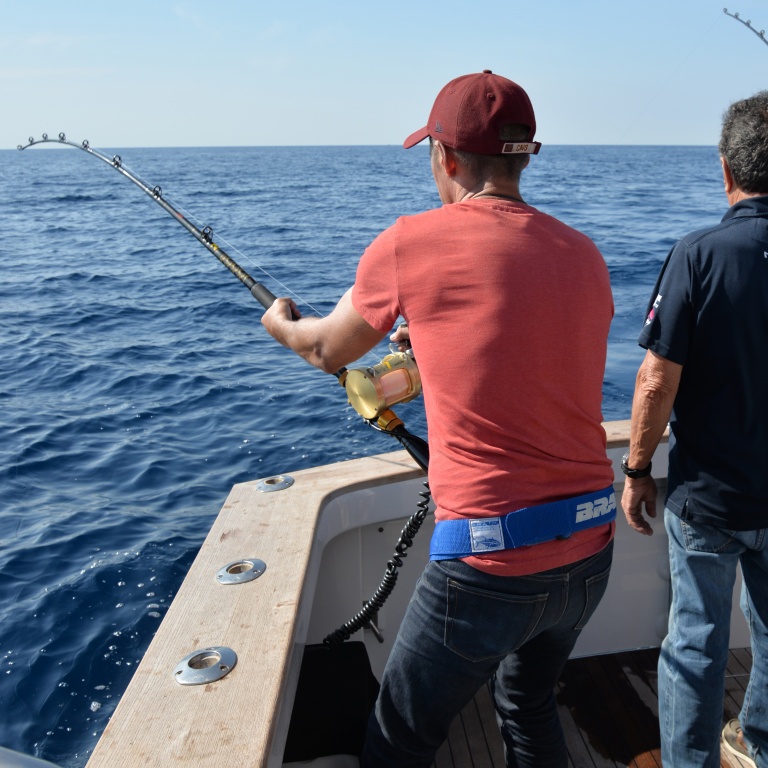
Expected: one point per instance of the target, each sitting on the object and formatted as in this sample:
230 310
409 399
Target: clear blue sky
287 72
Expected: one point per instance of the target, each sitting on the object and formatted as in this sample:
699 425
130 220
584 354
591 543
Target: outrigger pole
386 422
747 24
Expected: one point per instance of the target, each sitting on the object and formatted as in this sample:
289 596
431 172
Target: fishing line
230 247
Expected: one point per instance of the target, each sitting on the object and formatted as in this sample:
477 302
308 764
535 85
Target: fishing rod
370 391
204 235
747 24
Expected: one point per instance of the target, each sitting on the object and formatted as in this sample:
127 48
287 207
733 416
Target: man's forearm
329 342
655 390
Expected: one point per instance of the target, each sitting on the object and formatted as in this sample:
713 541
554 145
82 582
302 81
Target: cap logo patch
438 128
520 148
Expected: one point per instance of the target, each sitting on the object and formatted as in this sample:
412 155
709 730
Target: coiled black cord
372 606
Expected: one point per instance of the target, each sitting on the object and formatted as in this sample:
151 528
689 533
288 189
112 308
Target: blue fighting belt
523 527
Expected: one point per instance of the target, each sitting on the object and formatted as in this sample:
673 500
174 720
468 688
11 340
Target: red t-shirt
508 311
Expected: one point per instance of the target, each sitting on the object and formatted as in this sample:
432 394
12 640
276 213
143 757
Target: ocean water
137 384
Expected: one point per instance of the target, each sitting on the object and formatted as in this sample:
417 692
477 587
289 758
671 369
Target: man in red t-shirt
518 468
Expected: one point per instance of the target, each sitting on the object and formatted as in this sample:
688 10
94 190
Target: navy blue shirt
709 313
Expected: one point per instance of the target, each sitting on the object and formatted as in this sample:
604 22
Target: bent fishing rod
370 391
747 24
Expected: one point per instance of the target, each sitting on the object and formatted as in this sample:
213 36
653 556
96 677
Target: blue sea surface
137 384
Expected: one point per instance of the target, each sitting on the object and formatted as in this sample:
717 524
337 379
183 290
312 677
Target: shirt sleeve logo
652 313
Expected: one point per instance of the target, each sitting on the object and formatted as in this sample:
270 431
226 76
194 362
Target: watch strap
635 474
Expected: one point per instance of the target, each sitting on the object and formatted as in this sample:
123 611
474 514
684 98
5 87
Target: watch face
633 473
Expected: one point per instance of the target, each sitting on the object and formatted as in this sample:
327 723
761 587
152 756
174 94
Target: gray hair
744 142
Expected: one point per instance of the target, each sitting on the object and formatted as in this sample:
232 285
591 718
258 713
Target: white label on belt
486 535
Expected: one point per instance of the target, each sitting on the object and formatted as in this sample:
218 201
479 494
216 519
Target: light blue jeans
464 627
703 562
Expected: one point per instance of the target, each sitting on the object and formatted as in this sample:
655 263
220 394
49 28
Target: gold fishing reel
371 391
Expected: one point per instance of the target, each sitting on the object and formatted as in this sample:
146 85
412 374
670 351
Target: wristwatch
634 473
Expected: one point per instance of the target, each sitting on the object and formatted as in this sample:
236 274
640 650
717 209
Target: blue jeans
464 627
703 562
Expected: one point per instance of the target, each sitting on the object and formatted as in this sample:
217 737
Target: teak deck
609 710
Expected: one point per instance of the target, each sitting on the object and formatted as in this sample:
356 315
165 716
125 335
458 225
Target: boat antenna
747 24
385 421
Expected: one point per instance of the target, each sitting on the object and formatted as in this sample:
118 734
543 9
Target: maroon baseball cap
469 114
